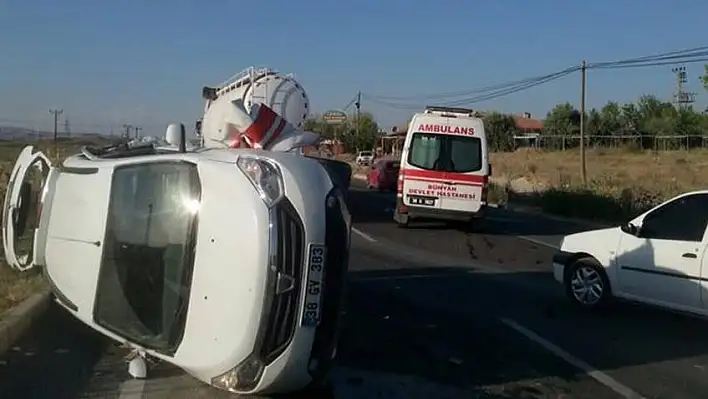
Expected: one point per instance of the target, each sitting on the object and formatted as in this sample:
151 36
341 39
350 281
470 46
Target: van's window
365 153
148 256
445 152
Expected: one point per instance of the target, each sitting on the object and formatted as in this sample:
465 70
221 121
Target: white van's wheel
586 284
401 220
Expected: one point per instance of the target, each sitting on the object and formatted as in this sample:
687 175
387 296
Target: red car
383 174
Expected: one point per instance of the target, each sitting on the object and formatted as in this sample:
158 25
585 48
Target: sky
106 63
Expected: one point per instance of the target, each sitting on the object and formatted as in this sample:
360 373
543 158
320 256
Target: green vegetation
639 154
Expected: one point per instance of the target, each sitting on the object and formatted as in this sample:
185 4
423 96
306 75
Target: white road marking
539 242
363 235
592 372
131 389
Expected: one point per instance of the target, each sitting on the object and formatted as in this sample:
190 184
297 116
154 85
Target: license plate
313 290
421 201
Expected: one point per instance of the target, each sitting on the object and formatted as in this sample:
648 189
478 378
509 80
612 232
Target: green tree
562 120
500 130
647 119
704 78
367 135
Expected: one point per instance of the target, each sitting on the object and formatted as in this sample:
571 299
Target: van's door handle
689 255
451 183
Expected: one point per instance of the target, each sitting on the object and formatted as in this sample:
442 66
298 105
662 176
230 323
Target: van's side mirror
630 228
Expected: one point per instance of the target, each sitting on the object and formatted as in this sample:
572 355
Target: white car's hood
593 241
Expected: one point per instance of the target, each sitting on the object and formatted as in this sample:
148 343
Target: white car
364 158
658 258
229 264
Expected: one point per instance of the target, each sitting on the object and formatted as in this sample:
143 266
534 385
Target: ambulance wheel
402 221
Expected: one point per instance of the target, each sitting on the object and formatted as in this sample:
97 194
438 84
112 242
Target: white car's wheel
586 284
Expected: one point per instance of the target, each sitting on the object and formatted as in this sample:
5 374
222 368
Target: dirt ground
608 171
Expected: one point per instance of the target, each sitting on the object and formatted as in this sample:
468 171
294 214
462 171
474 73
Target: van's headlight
243 377
265 176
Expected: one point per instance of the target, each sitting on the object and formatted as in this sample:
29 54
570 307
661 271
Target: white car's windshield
145 277
446 152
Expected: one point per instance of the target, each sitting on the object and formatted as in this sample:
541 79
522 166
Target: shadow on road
374 206
54 360
443 323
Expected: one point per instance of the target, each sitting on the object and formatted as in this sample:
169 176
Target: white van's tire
586 284
402 221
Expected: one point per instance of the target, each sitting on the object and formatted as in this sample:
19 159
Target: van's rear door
449 169
418 187
462 192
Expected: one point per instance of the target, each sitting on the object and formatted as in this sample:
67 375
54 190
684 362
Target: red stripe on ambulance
437 176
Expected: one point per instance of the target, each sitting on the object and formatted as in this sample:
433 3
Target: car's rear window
365 153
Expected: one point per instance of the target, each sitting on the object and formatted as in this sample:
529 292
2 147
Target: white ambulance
445 167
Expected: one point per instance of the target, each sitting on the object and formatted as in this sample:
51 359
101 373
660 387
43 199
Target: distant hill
12 133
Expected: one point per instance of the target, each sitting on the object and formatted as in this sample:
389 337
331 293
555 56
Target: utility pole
583 171
137 131
682 98
67 127
358 112
56 112
127 128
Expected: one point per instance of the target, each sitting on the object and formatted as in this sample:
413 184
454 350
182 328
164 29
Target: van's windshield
445 152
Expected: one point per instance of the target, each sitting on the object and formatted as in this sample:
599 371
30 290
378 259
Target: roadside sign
334 117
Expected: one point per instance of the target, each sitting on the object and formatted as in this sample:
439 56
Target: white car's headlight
243 377
265 176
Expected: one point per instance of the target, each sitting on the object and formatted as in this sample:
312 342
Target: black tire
600 292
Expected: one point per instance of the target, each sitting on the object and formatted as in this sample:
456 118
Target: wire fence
656 143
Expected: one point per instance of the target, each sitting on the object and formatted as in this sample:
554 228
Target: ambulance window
425 150
445 152
465 154
148 258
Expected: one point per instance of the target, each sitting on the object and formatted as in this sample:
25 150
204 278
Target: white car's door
662 261
22 239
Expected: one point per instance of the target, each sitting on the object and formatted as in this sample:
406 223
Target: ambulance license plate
427 201
313 291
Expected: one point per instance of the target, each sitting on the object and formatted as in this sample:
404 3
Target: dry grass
623 179
665 173
16 286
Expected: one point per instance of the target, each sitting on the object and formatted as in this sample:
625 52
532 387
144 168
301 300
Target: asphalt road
433 311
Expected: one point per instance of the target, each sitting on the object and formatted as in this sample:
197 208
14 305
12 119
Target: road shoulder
15 322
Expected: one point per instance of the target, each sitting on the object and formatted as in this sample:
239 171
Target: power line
485 89
672 55
511 90
652 64
502 90
692 55
350 103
